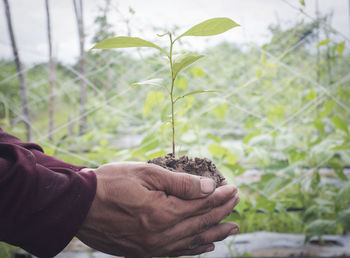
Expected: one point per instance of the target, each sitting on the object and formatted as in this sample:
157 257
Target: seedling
209 27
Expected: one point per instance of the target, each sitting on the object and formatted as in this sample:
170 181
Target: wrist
87 169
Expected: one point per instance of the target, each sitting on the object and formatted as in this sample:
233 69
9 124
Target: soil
196 166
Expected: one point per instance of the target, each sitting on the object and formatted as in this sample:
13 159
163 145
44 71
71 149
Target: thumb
182 185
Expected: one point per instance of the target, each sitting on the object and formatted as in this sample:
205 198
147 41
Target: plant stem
171 93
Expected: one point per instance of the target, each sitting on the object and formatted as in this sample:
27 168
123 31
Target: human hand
143 210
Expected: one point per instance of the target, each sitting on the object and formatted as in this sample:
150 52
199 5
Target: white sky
29 20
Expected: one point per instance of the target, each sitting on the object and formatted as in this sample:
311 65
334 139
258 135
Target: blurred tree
22 82
78 10
104 32
52 68
103 26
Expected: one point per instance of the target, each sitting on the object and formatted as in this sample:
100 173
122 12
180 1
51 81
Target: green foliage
323 42
221 111
319 227
340 48
104 27
222 153
209 27
6 251
152 99
340 124
343 218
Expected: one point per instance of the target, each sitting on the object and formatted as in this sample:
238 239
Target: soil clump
197 166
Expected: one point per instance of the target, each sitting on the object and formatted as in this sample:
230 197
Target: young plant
209 27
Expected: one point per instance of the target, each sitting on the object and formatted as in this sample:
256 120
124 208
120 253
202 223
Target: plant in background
209 27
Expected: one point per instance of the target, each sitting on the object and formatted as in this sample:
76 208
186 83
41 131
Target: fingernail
234 230
210 248
207 185
237 201
235 191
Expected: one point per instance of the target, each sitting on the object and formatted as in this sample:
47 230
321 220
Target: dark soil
196 166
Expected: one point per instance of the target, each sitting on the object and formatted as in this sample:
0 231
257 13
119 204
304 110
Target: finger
181 185
175 210
190 208
194 225
214 234
196 251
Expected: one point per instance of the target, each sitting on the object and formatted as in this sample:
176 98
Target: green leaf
149 143
340 124
315 179
344 146
310 213
153 98
184 62
302 2
258 72
222 152
343 218
217 150
220 111
265 204
194 92
197 72
340 48
274 184
188 101
213 137
327 109
156 154
210 27
323 42
49 150
154 82
296 155
103 142
230 158
162 35
320 227
251 135
181 82
342 199
236 170
263 58
338 168
319 126
312 95
126 42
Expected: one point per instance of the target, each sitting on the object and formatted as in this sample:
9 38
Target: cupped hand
143 210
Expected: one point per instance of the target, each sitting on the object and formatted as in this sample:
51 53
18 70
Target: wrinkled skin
143 210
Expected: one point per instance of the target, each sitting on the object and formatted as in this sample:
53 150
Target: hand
143 210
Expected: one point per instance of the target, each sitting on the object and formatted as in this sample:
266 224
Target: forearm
41 208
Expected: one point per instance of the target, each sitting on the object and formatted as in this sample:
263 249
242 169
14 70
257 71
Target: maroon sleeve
43 201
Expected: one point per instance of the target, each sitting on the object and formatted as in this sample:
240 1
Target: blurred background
279 128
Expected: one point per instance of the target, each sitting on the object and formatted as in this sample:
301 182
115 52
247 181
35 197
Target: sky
254 16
